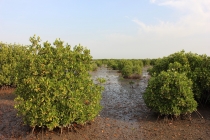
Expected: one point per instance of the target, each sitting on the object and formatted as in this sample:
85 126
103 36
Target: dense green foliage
9 59
94 66
170 75
196 67
54 87
99 63
170 93
127 70
146 62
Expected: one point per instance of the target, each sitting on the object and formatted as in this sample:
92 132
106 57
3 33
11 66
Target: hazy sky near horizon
111 28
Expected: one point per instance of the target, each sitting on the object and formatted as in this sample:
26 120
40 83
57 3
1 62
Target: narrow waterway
122 98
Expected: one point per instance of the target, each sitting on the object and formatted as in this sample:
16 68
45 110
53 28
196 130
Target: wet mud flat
124 116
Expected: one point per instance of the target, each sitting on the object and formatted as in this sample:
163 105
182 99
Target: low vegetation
179 80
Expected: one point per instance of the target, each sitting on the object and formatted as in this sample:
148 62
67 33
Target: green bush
94 66
137 70
196 67
9 57
146 62
130 68
201 78
55 88
162 64
112 63
170 93
127 70
99 62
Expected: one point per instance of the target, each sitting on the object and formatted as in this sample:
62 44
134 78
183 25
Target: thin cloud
191 6
196 21
188 32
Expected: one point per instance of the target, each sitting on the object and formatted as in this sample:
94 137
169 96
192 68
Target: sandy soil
124 117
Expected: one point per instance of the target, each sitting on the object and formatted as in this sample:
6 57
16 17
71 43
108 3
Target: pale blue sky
111 28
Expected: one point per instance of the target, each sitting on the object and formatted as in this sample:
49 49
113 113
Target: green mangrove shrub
10 55
137 69
127 70
94 66
170 93
55 88
196 67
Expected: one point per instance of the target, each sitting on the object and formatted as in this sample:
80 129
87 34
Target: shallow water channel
122 98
